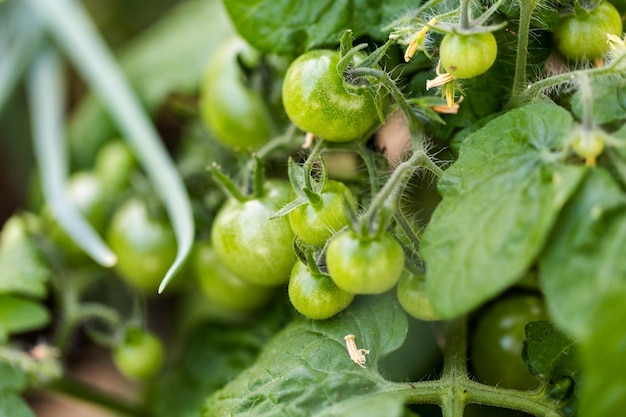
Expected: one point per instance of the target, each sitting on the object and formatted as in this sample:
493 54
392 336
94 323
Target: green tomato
317 101
588 145
221 286
256 248
235 111
584 37
114 164
314 224
364 265
411 292
467 56
315 295
145 246
498 339
140 354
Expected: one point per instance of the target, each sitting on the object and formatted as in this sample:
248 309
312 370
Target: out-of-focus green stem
71 27
46 93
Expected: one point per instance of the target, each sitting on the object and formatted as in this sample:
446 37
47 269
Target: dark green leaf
214 354
306 369
13 406
12 379
21 269
311 24
549 353
609 99
19 315
603 389
500 201
584 260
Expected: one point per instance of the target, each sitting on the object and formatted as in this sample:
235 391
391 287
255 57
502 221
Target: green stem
465 14
407 228
47 104
586 98
454 390
21 37
286 140
523 33
69 24
538 87
83 392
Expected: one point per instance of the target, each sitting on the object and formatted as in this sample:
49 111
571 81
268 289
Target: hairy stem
523 33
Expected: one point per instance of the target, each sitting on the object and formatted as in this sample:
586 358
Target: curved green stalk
45 88
69 24
17 48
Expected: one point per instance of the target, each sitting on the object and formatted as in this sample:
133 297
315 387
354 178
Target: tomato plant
318 100
447 194
363 264
315 222
467 56
231 106
139 355
144 243
498 339
315 295
583 35
240 235
221 286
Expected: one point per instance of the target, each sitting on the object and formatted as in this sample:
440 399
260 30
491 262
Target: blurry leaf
500 201
19 315
13 406
21 269
170 56
548 352
306 369
609 99
603 389
13 379
214 355
584 260
312 24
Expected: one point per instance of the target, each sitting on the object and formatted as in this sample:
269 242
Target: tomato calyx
254 185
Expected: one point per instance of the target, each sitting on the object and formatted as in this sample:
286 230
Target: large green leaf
21 269
311 24
603 389
214 354
306 370
13 379
500 201
584 260
13 406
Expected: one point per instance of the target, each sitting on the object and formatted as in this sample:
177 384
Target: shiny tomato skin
256 248
497 341
317 101
315 224
364 265
468 56
315 295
